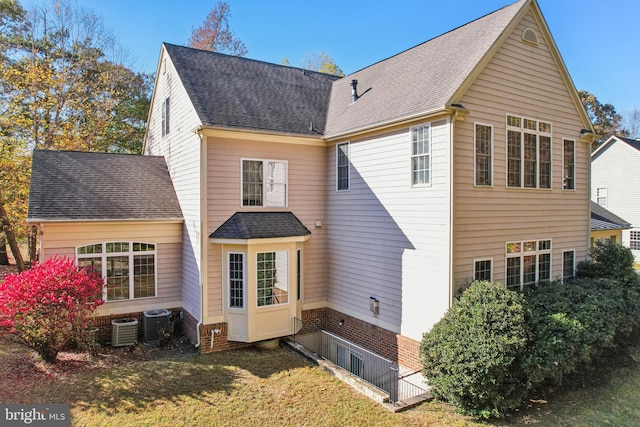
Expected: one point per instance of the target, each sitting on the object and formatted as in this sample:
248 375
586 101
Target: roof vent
354 90
530 36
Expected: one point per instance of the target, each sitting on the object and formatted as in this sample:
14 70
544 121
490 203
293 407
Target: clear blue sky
598 39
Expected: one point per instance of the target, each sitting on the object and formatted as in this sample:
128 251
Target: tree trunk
4 258
33 240
13 244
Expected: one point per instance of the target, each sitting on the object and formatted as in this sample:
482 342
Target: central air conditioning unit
155 321
124 332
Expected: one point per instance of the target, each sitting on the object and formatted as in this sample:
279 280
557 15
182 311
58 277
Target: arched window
129 268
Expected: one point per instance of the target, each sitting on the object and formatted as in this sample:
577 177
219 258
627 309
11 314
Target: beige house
362 205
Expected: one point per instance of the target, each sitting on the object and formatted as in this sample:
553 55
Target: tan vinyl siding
306 195
61 239
181 150
387 239
522 80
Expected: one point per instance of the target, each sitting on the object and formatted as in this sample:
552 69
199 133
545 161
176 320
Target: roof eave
104 220
261 241
257 134
445 110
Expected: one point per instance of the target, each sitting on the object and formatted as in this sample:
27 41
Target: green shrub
608 260
570 326
472 357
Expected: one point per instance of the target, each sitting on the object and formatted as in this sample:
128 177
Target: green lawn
158 387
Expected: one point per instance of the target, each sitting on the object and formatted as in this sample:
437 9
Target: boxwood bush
571 324
473 356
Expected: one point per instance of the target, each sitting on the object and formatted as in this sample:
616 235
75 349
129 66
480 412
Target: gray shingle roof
417 80
76 186
603 219
260 225
236 92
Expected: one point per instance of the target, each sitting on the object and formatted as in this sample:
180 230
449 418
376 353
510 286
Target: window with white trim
264 183
165 116
568 264
569 164
601 196
342 167
527 262
528 153
482 270
272 282
236 280
483 155
127 267
634 240
421 155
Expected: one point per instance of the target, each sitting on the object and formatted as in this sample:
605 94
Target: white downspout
203 233
451 177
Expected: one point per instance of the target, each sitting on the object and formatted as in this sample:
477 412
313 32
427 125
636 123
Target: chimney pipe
354 90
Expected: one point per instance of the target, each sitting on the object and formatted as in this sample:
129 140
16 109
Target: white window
634 240
569 164
236 280
264 183
421 155
528 262
482 270
601 196
568 264
272 281
342 167
483 155
165 117
127 267
528 153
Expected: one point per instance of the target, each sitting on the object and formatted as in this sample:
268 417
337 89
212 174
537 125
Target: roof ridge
273 64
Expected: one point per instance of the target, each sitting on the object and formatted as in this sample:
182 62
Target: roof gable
233 92
260 225
633 143
77 186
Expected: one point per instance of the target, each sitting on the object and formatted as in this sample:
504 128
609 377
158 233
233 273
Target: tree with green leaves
606 121
62 86
215 35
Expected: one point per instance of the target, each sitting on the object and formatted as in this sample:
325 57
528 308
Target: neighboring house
362 205
606 225
615 184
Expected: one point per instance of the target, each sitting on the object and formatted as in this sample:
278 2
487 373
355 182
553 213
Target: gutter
104 220
398 121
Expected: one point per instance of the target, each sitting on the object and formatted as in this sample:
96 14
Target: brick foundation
390 345
220 342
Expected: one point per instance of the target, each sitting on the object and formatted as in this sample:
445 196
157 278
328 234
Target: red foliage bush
50 305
